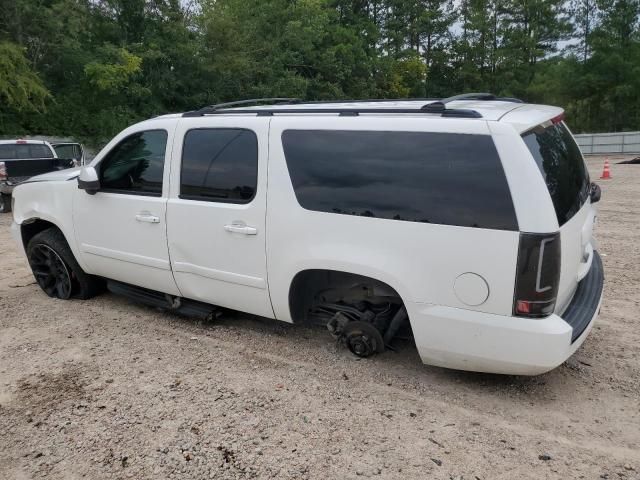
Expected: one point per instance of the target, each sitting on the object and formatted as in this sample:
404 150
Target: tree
20 87
584 14
88 68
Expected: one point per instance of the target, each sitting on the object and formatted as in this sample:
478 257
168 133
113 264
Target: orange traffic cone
606 173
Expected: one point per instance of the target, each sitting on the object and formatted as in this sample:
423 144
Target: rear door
216 212
563 168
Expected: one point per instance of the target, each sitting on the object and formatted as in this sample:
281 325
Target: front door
121 230
216 212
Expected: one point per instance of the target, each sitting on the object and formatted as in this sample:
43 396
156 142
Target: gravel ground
110 389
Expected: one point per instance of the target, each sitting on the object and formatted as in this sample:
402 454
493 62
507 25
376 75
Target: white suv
467 219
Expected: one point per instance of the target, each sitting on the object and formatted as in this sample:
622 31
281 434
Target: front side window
441 178
136 164
219 165
560 161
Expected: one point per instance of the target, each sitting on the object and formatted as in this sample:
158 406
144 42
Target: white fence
609 143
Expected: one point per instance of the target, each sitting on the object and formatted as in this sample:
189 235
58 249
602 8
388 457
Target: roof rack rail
440 105
371 100
346 112
251 101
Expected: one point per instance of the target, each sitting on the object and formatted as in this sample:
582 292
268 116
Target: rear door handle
147 217
241 228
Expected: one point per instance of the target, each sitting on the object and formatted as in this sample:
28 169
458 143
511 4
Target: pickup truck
21 160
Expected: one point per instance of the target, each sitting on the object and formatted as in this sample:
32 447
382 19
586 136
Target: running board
164 301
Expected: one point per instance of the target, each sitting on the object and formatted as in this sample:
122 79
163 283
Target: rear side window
441 178
24 151
562 166
219 165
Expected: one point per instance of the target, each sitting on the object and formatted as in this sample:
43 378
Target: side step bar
182 306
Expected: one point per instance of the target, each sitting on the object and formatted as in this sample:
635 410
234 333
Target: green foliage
20 87
601 92
114 75
88 68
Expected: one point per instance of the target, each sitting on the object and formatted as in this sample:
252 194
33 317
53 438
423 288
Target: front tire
56 270
5 203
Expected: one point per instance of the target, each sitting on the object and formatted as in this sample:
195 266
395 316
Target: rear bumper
476 341
586 300
7 186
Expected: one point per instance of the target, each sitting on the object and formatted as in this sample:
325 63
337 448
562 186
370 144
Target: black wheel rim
50 271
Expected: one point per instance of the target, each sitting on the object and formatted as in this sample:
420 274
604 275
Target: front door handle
241 228
147 217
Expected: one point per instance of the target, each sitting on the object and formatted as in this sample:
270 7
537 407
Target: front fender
51 202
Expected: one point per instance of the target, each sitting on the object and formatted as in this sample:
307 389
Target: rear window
24 151
562 166
441 178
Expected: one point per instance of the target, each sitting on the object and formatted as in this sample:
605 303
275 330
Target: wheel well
31 229
310 288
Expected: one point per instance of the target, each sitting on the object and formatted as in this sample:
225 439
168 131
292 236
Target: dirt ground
110 389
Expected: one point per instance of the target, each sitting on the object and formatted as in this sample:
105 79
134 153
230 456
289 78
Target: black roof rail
371 100
436 106
440 105
251 101
351 112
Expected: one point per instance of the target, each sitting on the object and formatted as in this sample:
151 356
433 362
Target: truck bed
21 169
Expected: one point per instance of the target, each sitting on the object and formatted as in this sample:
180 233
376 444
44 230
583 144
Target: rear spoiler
525 117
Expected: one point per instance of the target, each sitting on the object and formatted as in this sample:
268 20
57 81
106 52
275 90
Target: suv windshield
562 166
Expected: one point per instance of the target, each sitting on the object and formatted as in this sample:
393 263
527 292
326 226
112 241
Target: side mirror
595 193
88 180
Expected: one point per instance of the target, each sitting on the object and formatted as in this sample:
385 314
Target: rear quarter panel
420 261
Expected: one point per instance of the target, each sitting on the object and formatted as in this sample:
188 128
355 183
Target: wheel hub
363 339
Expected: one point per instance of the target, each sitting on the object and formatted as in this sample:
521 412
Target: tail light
537 275
3 171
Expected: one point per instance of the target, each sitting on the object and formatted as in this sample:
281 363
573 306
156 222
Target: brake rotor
363 339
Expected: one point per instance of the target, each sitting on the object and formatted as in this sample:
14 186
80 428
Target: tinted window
136 164
561 164
69 151
24 151
219 165
443 178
